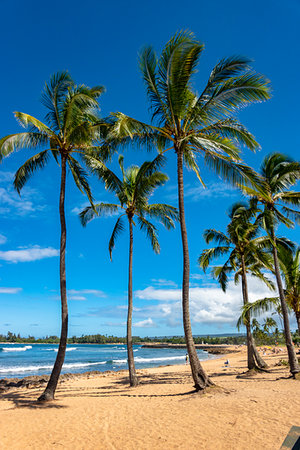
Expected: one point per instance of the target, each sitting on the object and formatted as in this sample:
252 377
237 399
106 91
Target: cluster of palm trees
194 126
272 202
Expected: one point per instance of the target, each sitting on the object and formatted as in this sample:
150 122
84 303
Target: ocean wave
139 359
16 369
67 349
16 349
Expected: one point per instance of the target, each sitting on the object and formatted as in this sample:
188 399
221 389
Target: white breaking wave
67 349
16 369
139 359
17 349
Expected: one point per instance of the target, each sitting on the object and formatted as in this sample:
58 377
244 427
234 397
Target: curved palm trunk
52 383
294 366
132 374
298 320
200 378
251 347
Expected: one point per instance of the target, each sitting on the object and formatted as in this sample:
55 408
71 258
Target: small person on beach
186 358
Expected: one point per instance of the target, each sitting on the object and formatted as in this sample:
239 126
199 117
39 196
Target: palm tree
290 270
278 174
69 129
192 125
132 191
245 257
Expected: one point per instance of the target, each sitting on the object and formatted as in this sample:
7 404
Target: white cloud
77 297
152 293
148 323
9 290
34 253
3 239
208 304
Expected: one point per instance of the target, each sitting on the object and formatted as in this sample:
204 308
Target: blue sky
98 43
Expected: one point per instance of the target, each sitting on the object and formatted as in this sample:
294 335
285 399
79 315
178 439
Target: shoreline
101 411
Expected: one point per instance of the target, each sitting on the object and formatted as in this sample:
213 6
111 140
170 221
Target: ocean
21 360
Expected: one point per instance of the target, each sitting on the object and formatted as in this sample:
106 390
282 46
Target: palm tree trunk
298 320
251 347
52 383
250 341
132 374
200 378
294 366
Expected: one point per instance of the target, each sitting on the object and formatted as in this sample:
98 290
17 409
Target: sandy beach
163 412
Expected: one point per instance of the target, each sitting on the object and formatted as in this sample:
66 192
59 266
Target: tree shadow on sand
28 400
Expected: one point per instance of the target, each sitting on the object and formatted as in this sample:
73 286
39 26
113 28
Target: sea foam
16 349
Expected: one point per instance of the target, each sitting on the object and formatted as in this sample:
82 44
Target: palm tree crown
192 123
71 126
133 190
240 242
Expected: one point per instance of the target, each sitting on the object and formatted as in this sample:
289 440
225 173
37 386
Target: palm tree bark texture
294 366
52 383
201 379
132 373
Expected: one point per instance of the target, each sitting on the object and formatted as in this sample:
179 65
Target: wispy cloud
12 204
3 239
34 253
6 176
196 192
94 292
163 282
81 294
10 290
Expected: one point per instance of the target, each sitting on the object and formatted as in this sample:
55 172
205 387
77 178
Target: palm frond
18 141
98 168
257 308
25 172
189 158
211 253
26 120
217 236
100 209
150 231
165 214
80 177
53 98
118 228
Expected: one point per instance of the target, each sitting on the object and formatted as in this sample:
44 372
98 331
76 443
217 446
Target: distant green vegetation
261 337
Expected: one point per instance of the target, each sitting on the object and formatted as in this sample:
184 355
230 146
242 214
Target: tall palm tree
290 269
245 256
278 174
192 125
132 191
69 130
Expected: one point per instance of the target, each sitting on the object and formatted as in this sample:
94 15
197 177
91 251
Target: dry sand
102 412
